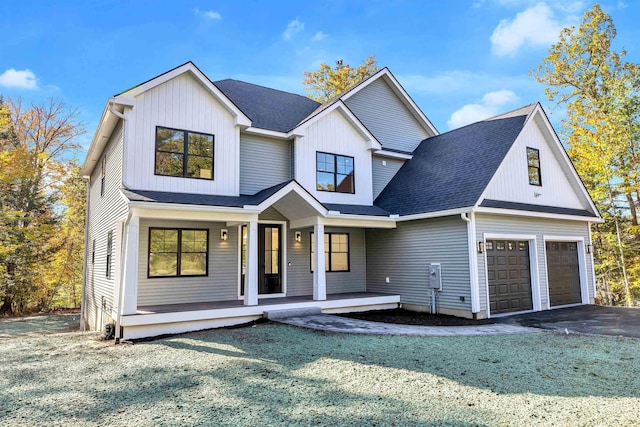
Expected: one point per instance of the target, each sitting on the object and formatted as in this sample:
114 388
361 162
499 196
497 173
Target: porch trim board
330 305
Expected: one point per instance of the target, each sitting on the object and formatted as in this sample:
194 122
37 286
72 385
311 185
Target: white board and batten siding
181 103
511 181
383 170
334 134
300 277
104 212
404 255
512 226
221 283
378 107
264 162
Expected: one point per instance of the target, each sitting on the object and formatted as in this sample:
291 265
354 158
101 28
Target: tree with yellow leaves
326 83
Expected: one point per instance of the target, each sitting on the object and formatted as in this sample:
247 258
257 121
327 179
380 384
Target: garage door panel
563 273
508 276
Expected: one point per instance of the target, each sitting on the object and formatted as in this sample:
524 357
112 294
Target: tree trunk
632 208
625 278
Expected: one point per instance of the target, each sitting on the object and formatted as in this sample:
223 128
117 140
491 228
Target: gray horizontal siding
264 162
382 170
104 211
300 278
386 117
220 285
404 255
503 224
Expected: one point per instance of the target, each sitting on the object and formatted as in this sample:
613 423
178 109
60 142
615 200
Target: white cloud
319 36
464 83
534 26
293 28
24 79
491 104
209 14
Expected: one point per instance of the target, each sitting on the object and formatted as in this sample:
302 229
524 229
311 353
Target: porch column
251 277
319 274
129 294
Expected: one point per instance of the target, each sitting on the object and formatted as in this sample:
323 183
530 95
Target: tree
32 147
327 83
600 92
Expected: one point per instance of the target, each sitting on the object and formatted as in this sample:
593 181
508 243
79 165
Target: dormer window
184 153
533 163
334 173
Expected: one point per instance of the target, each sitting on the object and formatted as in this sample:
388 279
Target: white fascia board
353 221
121 100
241 119
190 212
107 123
513 212
266 132
393 155
436 214
402 94
291 187
374 144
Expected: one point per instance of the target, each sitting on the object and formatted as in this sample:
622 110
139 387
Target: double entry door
269 259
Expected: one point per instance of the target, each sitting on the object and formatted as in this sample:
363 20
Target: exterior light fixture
480 247
224 234
298 236
588 248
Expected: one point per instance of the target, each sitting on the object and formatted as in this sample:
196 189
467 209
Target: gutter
470 219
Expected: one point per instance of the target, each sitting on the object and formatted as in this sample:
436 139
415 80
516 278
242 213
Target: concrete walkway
331 323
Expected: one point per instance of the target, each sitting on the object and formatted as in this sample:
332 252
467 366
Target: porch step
292 312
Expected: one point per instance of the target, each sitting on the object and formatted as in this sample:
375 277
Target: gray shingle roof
356 209
268 108
488 203
451 170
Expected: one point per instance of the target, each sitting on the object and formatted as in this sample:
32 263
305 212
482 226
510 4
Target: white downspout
470 219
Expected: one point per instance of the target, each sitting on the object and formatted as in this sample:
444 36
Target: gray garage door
509 276
563 273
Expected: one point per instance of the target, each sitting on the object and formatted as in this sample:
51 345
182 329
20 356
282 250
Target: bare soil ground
406 317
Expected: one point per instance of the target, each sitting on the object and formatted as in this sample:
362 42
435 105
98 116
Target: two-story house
210 203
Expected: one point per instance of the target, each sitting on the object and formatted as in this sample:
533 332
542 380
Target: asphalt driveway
585 319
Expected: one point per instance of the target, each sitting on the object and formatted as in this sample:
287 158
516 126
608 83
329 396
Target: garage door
563 273
509 276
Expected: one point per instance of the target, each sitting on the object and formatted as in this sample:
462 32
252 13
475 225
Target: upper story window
183 153
334 173
103 174
533 164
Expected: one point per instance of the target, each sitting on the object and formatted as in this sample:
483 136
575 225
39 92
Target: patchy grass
275 374
40 324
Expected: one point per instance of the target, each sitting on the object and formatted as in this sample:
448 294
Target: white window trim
533 267
582 265
283 261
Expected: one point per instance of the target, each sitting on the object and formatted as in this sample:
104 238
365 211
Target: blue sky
461 61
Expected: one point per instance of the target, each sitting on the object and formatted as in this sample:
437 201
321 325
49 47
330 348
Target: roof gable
451 170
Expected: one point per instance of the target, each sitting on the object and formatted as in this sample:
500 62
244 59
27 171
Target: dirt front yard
273 374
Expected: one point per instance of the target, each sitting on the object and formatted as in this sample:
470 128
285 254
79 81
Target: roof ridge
266 87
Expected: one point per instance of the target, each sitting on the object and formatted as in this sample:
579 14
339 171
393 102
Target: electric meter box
435 276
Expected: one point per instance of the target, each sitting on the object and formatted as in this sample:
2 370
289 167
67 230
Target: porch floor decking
213 305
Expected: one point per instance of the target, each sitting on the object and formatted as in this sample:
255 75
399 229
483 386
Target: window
336 251
178 252
109 253
103 175
533 163
93 251
334 173
183 153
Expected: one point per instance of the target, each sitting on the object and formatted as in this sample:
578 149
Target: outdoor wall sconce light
480 247
588 248
298 236
224 234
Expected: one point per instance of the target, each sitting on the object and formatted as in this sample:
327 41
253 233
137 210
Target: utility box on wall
435 275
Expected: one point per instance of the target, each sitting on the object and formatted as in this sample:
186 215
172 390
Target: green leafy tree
600 92
326 83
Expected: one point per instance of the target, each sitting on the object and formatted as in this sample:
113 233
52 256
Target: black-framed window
336 251
334 173
184 153
109 253
178 252
533 166
93 251
103 175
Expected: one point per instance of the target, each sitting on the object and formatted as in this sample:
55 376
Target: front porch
177 318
